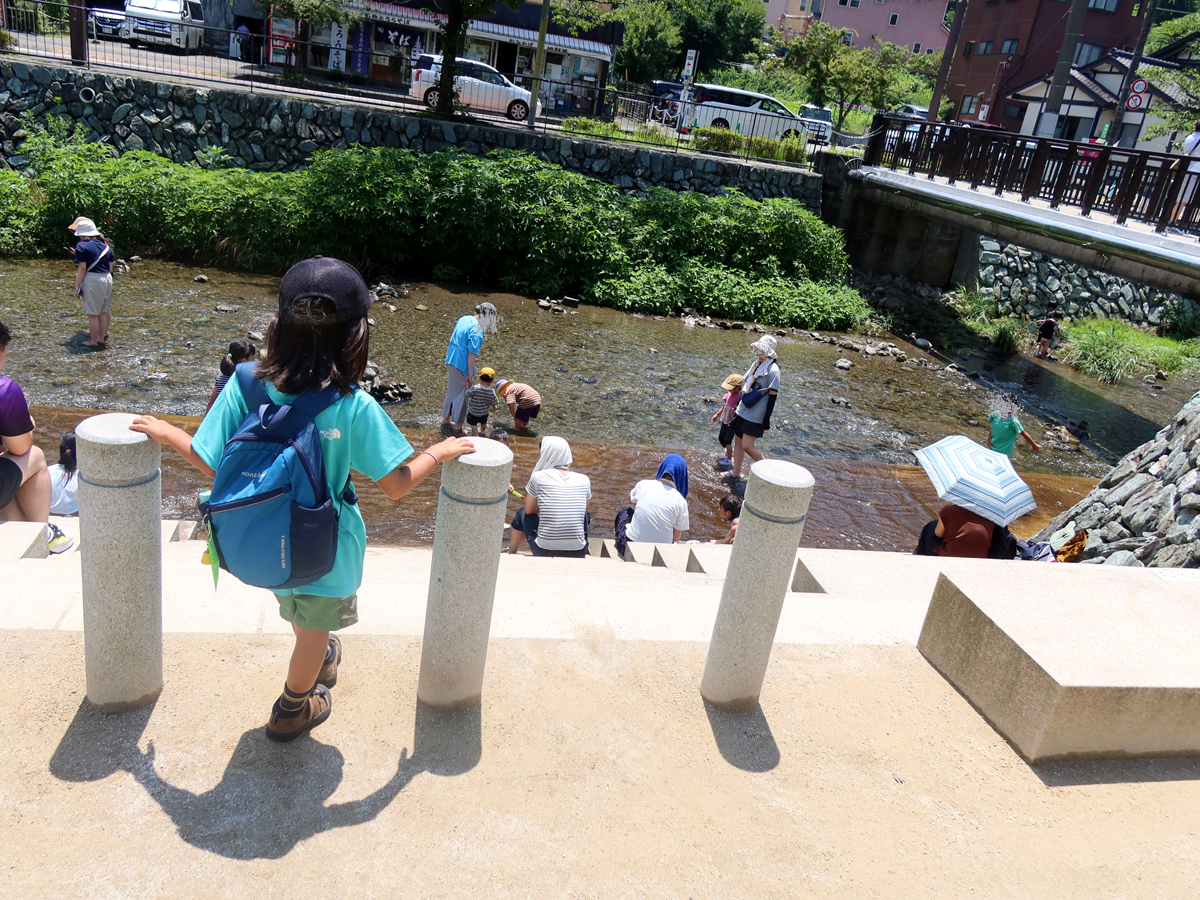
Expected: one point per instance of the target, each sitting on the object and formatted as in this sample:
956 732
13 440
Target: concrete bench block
803 581
709 559
608 549
671 556
1072 662
23 540
640 553
174 530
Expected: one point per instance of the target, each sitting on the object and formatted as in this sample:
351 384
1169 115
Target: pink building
915 24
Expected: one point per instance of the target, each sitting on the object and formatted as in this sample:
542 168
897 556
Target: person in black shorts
481 400
1047 330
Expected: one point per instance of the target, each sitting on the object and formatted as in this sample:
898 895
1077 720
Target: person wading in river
759 390
93 279
465 343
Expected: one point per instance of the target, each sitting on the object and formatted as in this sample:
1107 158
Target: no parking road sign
1138 96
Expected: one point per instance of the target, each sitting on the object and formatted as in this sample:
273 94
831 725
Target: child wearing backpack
316 355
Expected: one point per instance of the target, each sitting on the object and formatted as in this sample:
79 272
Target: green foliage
7 41
721 31
15 208
1181 321
843 77
974 306
1170 31
720 291
1006 336
1110 347
782 83
722 140
311 12
1101 350
509 219
643 134
651 43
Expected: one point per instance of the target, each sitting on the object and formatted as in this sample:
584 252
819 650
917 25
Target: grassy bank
1109 350
506 219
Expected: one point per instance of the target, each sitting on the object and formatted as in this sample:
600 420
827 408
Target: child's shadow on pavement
270 797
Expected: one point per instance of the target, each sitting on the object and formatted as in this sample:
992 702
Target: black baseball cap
332 279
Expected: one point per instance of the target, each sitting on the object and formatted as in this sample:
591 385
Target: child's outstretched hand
155 428
452 448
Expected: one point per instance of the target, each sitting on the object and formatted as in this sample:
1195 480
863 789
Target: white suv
819 120
748 113
479 87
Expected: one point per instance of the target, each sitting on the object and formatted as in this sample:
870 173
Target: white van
747 113
173 23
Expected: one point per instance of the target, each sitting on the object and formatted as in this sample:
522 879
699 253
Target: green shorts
318 613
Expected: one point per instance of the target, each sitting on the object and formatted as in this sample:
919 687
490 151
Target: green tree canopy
650 47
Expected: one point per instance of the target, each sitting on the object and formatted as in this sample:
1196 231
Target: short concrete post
120 510
777 498
462 580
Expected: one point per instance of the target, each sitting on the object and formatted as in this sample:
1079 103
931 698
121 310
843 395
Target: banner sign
338 33
400 39
360 49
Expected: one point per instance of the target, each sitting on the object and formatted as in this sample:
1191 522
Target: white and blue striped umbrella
976 478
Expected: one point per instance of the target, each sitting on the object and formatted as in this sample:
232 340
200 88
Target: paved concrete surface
1083 661
591 768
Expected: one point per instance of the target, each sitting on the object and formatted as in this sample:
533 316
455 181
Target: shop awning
555 43
523 37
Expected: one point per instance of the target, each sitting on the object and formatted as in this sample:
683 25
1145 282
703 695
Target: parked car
819 120
479 86
106 23
746 112
173 23
908 111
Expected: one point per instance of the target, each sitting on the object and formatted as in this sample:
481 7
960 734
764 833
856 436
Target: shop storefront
390 38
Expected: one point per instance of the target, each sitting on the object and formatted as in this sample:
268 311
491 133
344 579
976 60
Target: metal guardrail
245 62
1138 185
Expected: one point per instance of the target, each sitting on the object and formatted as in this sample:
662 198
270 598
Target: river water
623 389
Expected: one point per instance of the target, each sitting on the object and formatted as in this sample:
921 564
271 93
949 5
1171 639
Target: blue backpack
272 519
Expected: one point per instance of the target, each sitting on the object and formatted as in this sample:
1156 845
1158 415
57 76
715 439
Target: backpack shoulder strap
313 403
252 389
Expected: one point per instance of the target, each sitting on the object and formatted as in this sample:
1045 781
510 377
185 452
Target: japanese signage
400 39
338 33
360 49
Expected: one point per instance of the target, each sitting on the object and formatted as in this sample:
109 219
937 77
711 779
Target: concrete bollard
462 579
120 511
773 512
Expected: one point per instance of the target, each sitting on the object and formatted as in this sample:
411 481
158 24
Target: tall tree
458 16
720 31
651 43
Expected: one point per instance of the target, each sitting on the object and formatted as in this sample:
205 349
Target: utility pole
1118 122
1048 120
539 64
939 87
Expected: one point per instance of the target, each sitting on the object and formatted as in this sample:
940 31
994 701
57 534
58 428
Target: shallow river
621 388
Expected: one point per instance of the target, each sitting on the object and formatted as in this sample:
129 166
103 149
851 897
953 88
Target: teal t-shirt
356 434
1004 433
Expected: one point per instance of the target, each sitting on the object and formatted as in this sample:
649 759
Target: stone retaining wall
1022 281
1146 511
273 133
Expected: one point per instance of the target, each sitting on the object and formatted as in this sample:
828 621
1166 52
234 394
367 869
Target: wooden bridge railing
1155 188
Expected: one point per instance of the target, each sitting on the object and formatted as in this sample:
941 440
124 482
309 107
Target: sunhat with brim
732 383
766 344
500 383
85 228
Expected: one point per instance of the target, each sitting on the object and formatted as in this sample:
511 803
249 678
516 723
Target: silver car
479 87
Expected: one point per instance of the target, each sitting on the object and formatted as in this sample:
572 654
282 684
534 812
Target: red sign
1135 101
1141 86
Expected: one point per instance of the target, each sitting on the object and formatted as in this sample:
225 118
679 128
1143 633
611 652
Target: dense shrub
722 140
719 291
508 218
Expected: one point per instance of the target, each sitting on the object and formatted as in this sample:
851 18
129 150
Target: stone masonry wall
1022 281
273 133
1146 511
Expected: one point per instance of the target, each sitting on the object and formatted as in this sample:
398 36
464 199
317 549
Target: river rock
201 279
844 363
1146 510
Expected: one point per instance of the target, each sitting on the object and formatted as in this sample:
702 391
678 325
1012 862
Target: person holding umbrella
984 494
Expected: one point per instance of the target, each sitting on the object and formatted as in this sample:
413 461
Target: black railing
194 51
1137 185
